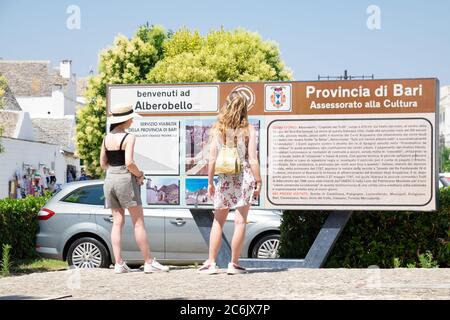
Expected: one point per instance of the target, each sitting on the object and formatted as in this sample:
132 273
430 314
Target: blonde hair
233 115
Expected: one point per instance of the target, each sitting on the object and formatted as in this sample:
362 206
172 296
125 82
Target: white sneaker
121 268
235 269
209 268
155 266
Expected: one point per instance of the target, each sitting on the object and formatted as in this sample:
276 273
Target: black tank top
116 157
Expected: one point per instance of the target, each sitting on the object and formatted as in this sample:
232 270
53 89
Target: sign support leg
317 254
204 219
326 239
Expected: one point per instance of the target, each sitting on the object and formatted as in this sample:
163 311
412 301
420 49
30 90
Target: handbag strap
246 147
225 140
247 138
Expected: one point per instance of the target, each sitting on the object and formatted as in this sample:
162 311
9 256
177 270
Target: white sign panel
163 99
351 162
157 145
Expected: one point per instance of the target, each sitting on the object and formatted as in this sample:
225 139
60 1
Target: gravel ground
185 283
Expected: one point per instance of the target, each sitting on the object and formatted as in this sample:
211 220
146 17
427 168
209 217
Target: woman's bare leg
140 234
215 238
240 222
116 233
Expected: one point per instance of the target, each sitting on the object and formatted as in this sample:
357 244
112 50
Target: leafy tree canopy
154 55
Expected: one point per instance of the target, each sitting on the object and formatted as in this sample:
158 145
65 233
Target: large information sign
334 145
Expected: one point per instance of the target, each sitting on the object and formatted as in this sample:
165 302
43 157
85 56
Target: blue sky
315 37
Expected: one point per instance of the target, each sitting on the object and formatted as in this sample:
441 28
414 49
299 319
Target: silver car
75 227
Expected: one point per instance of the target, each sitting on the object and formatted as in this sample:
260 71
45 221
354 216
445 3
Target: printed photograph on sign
162 190
152 136
278 97
197 192
197 145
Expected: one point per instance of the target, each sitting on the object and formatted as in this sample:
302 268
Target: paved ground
185 283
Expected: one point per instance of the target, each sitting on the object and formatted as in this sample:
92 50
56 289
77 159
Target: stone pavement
185 283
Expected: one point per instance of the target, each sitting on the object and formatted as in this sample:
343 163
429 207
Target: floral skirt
234 190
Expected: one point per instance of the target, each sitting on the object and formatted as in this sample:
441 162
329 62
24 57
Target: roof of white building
31 78
9 114
9 120
81 86
9 101
58 131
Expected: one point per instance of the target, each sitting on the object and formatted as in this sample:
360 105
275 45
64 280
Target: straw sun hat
121 113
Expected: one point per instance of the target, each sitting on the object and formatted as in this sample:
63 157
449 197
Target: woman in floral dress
233 191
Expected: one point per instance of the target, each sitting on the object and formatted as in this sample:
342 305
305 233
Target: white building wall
58 101
24 127
62 102
74 162
39 107
17 152
70 97
71 160
65 68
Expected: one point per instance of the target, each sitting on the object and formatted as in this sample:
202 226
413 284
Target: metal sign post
204 219
326 239
317 254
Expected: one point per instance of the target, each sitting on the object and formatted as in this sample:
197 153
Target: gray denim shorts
121 188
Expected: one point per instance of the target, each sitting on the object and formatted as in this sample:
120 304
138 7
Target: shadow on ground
19 297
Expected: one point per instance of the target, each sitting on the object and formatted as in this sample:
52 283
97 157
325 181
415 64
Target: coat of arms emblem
278 97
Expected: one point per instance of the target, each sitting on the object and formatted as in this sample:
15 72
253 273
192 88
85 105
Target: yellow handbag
228 161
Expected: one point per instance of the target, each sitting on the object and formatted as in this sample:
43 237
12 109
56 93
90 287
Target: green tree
127 61
156 56
221 56
445 159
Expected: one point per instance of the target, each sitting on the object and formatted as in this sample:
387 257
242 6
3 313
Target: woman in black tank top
116 157
122 188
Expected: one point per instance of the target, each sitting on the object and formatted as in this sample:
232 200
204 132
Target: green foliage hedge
374 238
19 225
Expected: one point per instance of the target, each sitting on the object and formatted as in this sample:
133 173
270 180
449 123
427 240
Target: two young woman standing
233 191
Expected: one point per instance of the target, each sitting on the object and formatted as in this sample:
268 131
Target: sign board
322 145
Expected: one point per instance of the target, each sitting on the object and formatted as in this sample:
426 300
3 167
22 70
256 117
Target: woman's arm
129 157
103 158
253 159
212 161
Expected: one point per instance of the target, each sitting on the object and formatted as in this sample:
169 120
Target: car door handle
178 222
109 219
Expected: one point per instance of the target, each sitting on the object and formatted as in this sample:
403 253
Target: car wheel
267 247
88 253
